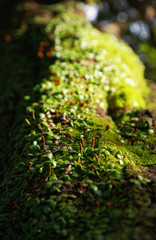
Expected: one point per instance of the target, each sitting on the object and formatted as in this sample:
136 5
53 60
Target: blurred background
134 21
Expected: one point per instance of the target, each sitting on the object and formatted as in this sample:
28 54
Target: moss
107 60
72 169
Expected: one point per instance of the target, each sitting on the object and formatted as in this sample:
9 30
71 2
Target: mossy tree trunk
71 171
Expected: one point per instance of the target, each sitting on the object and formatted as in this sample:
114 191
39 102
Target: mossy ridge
111 58
50 171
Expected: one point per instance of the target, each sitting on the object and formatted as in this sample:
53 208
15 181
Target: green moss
107 60
72 168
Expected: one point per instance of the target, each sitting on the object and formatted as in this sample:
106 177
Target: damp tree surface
78 143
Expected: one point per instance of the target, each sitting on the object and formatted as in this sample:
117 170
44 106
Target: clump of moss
106 59
68 175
